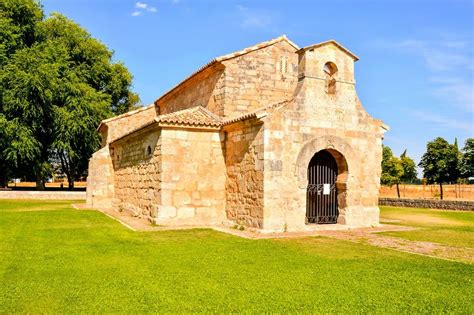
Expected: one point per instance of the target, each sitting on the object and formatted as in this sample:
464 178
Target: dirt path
367 236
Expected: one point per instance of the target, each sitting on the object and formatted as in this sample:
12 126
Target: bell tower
327 65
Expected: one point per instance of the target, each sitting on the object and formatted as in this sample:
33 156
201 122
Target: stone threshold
140 225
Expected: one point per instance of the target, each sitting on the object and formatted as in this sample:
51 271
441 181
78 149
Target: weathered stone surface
244 186
137 170
100 181
194 176
273 107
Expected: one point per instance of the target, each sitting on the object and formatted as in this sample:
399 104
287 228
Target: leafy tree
392 169
56 86
467 160
18 20
409 169
440 163
456 176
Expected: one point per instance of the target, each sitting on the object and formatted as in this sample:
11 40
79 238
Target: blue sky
416 57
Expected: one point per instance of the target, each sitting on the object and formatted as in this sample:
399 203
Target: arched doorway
321 192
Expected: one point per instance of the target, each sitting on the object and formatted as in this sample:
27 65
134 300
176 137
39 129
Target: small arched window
330 70
283 66
148 150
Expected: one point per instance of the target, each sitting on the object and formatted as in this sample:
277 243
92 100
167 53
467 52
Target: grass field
56 259
455 228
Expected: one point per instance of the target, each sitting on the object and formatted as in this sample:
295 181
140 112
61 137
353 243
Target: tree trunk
3 180
39 182
70 181
398 190
441 191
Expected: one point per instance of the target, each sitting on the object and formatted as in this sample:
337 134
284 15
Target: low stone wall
428 203
43 195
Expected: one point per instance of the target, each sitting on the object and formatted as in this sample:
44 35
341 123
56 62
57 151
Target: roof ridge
256 47
331 41
124 115
194 116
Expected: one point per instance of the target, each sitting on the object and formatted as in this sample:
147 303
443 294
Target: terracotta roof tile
201 117
195 116
256 113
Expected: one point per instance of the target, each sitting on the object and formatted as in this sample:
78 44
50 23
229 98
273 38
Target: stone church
272 138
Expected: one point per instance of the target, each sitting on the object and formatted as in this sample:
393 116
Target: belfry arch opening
326 190
330 70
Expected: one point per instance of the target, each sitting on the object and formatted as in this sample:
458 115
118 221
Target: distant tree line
442 163
56 84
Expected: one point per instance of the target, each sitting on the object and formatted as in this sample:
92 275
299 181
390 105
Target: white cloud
141 5
175 1
442 121
439 55
450 60
254 19
460 91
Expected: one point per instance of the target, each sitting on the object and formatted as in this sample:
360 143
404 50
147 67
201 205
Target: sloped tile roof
201 117
196 116
258 112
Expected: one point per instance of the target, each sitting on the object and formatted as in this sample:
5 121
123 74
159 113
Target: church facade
272 138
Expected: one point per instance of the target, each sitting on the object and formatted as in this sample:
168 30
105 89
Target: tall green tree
392 169
56 86
409 168
409 171
467 160
18 20
440 163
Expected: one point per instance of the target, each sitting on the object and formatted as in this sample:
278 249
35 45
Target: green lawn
58 260
455 228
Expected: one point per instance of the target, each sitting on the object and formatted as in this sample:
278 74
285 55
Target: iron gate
321 193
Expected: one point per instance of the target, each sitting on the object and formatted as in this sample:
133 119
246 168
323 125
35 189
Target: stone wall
116 127
206 89
43 195
192 178
239 85
428 203
137 166
259 78
244 162
318 121
100 180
